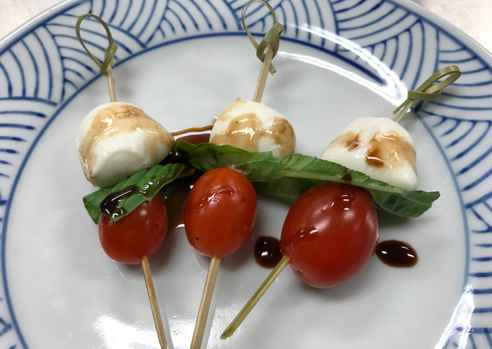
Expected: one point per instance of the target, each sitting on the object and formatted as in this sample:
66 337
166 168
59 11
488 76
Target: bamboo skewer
203 310
250 304
111 85
428 90
154 304
263 76
266 49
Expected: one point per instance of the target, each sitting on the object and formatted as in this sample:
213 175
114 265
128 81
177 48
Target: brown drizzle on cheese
352 141
246 130
349 140
242 132
386 149
389 149
373 157
283 134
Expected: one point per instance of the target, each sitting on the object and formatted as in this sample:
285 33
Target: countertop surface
472 16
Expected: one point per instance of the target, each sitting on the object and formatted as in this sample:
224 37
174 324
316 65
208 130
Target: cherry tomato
136 235
330 233
220 212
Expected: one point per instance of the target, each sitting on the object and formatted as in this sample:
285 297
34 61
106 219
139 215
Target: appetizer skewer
331 230
224 195
219 217
116 140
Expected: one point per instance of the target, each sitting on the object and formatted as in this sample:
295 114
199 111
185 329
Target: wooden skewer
265 285
208 290
260 89
263 76
154 304
111 87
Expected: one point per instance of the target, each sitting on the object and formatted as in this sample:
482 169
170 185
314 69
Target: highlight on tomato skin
330 233
220 212
137 235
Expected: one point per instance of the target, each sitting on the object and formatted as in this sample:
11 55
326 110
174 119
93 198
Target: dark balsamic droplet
347 177
267 251
174 157
110 205
396 253
194 137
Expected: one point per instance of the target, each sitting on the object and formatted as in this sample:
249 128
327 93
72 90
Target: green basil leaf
406 204
149 183
207 156
286 190
287 177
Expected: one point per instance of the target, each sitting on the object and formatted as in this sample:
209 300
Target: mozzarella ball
254 127
117 139
379 148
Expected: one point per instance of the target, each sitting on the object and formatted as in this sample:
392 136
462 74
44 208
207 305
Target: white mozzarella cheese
117 139
255 127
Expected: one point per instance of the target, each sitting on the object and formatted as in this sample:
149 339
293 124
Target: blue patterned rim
34 88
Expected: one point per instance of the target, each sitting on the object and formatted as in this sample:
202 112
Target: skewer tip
228 332
233 326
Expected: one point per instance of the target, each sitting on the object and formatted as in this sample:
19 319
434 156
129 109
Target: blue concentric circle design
42 68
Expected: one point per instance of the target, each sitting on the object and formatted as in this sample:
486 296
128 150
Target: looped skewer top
105 66
429 90
270 41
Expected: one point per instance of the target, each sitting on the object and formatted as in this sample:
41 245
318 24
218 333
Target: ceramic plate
183 62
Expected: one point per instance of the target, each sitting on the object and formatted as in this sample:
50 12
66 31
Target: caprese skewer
220 209
116 140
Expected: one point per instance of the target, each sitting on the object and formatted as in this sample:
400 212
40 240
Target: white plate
184 61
